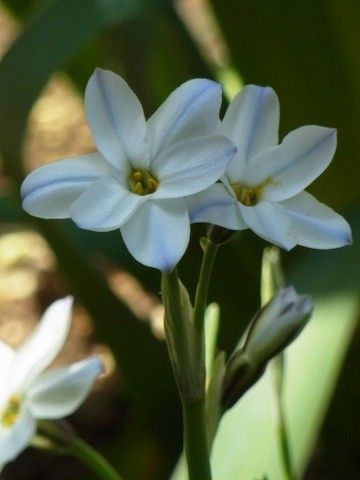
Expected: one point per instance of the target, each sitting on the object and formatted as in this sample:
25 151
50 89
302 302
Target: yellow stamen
152 185
11 412
138 189
137 176
250 196
142 182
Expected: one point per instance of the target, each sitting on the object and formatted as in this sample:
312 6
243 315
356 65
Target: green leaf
212 321
215 368
312 366
213 396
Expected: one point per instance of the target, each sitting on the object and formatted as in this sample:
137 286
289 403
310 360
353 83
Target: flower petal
59 392
13 440
292 166
192 110
158 234
215 205
116 117
270 222
314 224
49 191
191 166
104 206
252 122
42 346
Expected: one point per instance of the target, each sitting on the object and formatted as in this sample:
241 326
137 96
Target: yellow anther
11 412
152 185
138 189
142 182
137 176
250 196
237 190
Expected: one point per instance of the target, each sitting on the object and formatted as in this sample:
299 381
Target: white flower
27 393
263 185
138 179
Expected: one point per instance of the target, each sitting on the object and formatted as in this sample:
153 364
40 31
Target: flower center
142 182
11 412
250 196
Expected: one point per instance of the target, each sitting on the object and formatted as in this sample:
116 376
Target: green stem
272 278
186 344
177 337
203 284
93 459
195 440
278 367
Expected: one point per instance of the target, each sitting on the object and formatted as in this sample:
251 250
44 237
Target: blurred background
309 52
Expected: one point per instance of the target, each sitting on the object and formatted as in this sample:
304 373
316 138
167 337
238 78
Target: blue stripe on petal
27 190
189 107
261 91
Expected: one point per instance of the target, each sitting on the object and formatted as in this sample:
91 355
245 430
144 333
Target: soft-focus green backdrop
308 51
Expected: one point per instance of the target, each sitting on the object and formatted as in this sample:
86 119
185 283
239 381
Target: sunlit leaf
313 364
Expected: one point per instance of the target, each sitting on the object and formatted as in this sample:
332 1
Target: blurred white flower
138 179
263 185
27 393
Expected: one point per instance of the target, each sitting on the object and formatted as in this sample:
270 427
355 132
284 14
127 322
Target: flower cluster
151 179
27 393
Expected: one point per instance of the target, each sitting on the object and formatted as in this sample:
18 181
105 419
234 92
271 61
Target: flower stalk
184 328
210 250
93 459
60 437
277 371
180 337
185 346
272 279
195 440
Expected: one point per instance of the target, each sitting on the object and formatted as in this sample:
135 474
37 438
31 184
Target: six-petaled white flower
143 170
27 393
263 185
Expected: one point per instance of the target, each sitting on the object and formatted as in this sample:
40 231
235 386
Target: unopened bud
273 328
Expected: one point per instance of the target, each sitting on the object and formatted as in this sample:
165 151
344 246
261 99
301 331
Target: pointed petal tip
102 71
349 240
97 364
65 303
98 72
329 132
348 237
